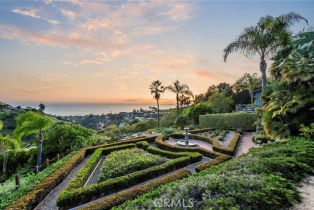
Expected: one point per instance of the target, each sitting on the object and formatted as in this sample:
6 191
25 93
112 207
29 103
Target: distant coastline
95 109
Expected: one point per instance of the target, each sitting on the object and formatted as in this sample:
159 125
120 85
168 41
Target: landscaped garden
191 156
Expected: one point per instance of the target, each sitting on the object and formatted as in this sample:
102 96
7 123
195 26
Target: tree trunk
263 67
177 104
40 148
158 112
5 159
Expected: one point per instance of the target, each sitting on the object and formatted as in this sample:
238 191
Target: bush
211 163
30 195
83 174
260 138
199 109
230 121
122 162
125 195
64 137
142 144
229 150
168 154
163 145
83 194
264 178
18 158
168 119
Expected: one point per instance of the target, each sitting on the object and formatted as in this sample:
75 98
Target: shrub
230 121
83 174
122 162
168 119
163 145
83 194
142 144
199 109
229 150
168 154
210 163
29 196
125 195
264 178
64 137
260 138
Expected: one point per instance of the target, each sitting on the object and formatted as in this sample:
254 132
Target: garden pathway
307 193
49 203
190 167
245 143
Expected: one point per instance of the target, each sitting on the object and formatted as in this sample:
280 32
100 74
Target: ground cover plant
76 193
127 161
8 191
264 178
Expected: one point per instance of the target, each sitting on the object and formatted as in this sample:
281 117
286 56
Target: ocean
86 109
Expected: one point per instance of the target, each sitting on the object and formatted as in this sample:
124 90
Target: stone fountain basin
190 144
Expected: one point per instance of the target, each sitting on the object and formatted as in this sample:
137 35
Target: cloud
34 14
69 13
86 61
30 13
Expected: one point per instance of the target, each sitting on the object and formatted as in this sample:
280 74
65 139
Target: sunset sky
75 51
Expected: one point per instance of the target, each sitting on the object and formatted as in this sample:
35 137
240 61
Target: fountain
186 142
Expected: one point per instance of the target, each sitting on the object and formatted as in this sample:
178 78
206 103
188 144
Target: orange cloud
69 13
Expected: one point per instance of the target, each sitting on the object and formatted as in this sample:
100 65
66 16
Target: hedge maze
177 162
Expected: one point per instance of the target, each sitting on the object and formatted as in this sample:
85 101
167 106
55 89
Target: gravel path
245 143
307 193
49 203
93 177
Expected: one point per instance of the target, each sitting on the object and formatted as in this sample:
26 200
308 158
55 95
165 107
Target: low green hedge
38 192
193 136
90 150
211 163
166 153
265 178
229 150
83 174
120 197
142 144
81 195
163 145
230 121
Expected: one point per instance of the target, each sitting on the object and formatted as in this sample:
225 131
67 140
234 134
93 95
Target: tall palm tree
248 82
30 123
264 39
156 89
6 143
179 89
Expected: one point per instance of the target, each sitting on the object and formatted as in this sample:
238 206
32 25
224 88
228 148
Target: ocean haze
86 109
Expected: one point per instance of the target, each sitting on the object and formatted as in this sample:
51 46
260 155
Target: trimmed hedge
125 195
83 174
231 121
193 136
90 150
229 150
40 191
166 153
163 145
142 144
265 178
211 163
81 195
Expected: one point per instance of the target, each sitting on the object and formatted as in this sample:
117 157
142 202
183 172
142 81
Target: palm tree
248 82
30 123
264 39
6 143
156 89
179 89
